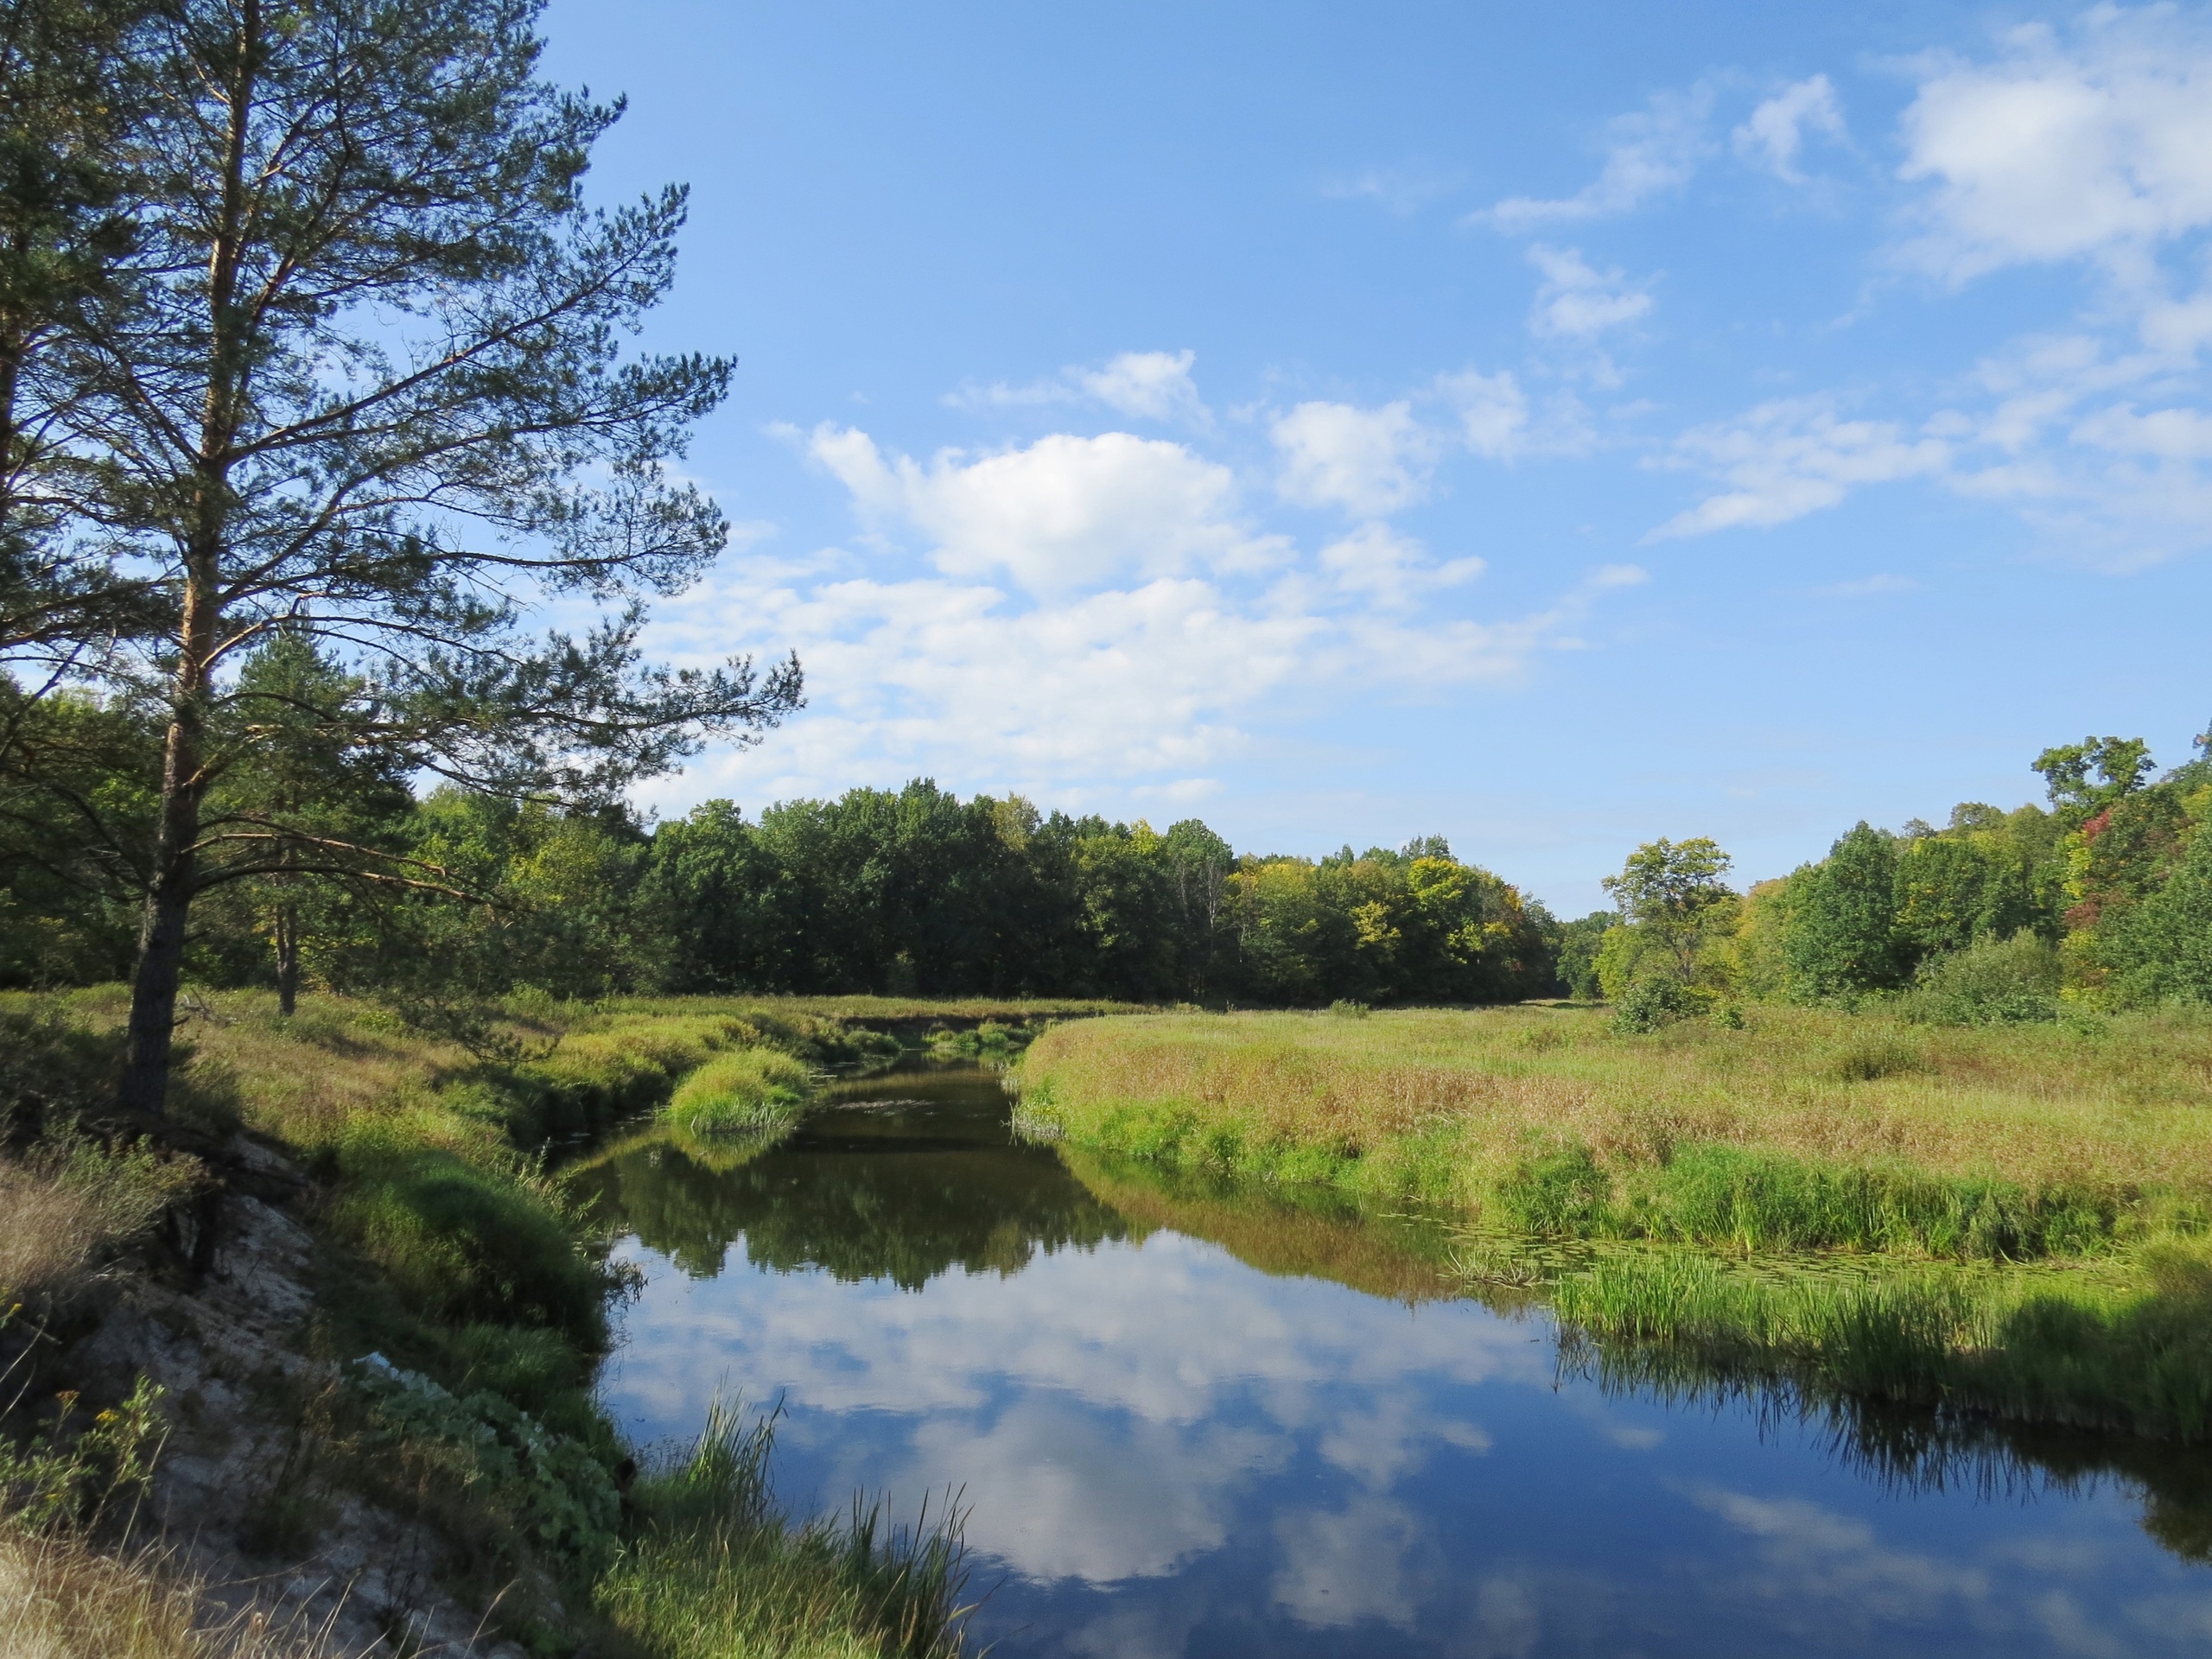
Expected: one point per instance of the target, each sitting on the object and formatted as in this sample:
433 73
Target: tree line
913 892
2101 899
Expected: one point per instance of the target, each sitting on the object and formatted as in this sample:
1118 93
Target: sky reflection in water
1167 1451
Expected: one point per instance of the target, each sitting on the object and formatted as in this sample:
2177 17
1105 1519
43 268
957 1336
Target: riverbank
428 1302
1938 1163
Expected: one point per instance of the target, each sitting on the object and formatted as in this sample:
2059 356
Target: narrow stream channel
1187 1419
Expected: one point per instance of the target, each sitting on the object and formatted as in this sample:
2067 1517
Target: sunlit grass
1946 1142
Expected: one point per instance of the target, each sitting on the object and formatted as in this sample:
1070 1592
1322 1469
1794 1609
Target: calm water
1188 1421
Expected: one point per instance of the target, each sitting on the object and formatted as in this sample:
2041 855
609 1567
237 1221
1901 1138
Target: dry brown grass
60 1599
1442 1101
68 1206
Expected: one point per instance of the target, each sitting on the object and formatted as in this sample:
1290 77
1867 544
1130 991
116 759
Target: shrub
1993 981
1654 1000
518 1480
744 1093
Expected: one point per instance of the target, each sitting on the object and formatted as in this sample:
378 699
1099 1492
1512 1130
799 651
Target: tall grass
713 1571
62 1598
753 1091
2131 1352
1806 1128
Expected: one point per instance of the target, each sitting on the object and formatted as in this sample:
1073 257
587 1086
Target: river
1184 1419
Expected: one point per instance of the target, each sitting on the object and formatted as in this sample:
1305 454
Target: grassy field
2012 1220
453 1248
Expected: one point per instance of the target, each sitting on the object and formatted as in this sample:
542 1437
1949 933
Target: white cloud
1577 302
2165 433
1393 571
1787 459
1369 461
1498 422
1099 618
1147 386
1651 150
1776 131
1063 514
2092 144
1143 385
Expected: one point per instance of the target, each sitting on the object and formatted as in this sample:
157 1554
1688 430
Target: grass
62 1598
2007 1221
1806 1128
713 1571
2129 1349
751 1091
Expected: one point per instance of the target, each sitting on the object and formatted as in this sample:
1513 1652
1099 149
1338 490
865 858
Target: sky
1548 426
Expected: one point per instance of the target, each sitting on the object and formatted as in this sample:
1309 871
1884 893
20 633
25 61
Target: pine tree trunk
184 781
288 957
168 901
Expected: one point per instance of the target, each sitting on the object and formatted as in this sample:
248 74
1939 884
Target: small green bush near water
742 1093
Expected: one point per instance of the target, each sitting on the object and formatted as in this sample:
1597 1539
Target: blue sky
1550 427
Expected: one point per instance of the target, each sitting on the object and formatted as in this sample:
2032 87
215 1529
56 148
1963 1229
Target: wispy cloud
1775 134
1143 385
1647 152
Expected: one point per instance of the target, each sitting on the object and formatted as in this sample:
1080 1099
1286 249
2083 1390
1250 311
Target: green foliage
65 1475
494 1466
2117 765
2162 949
1579 946
1993 981
1652 1001
1842 936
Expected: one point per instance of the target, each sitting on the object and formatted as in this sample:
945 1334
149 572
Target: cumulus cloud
1649 152
1578 302
1775 134
1092 614
1369 461
1143 385
1065 513
1786 459
2093 143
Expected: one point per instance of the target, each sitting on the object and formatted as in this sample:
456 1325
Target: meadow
2010 1219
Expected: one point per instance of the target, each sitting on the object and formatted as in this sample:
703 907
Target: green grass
1805 1129
751 1091
712 1571
1908 1178
2129 1351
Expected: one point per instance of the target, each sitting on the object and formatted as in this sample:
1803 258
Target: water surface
1188 1420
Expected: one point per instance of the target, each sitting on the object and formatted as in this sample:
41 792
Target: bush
518 1481
744 1093
1654 1000
1993 981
